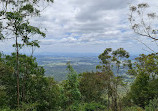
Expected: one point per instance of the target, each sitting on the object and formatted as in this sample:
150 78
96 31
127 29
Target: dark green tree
144 88
71 92
92 86
6 78
37 92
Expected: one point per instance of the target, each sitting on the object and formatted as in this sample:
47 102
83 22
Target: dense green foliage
92 86
144 88
35 89
70 90
88 91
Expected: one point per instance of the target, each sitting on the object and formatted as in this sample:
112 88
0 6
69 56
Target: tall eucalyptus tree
110 61
15 24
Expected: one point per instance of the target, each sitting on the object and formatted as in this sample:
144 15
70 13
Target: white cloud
88 26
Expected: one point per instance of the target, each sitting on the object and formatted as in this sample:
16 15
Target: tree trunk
108 102
17 71
115 101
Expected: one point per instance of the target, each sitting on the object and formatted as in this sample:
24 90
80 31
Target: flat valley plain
55 65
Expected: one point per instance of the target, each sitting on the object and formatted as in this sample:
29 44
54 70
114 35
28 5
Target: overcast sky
88 26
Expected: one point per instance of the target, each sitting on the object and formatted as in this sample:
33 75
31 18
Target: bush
153 105
133 108
6 109
93 106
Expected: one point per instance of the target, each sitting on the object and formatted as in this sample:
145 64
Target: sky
87 26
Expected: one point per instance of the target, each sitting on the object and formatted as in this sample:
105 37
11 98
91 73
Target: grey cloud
86 24
93 10
101 4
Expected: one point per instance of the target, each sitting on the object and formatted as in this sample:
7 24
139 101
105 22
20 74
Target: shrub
153 105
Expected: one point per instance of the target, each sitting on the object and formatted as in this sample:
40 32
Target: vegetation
24 86
15 16
101 90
